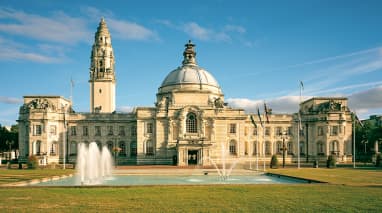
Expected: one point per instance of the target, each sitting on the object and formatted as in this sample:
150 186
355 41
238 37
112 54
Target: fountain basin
131 180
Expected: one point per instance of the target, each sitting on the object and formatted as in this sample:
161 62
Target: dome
190 76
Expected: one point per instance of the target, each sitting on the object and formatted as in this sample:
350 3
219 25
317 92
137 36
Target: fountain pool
126 180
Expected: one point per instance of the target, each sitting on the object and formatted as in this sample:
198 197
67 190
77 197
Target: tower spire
102 74
189 54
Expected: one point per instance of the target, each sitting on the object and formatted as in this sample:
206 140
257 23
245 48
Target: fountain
223 173
93 165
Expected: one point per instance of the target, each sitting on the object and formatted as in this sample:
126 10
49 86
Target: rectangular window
232 128
121 131
97 131
254 131
267 131
290 132
278 131
133 131
53 129
320 131
37 130
133 149
149 148
334 130
149 128
73 131
85 131
110 130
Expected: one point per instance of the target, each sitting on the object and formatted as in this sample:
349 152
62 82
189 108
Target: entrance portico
196 153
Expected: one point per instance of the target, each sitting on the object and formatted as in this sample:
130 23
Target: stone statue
219 103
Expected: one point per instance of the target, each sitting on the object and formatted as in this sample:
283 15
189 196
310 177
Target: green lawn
14 175
347 176
221 198
350 190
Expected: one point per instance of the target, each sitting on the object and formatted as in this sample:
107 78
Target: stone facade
190 123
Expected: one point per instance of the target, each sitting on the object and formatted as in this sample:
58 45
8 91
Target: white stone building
190 123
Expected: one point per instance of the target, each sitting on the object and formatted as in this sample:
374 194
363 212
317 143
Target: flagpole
263 143
71 91
354 117
299 127
257 150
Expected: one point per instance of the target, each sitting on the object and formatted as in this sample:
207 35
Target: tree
274 162
9 135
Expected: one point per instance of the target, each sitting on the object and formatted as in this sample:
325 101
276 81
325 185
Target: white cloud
196 31
364 103
59 27
367 99
125 109
16 51
234 28
284 104
130 30
122 29
10 100
341 68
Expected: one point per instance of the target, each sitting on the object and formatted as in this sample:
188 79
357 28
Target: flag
266 111
258 114
302 85
253 122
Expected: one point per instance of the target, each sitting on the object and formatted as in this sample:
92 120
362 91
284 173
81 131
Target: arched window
232 147
133 149
73 148
191 123
333 148
149 148
122 147
290 148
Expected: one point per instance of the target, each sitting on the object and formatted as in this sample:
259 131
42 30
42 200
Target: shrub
378 160
331 162
274 162
32 162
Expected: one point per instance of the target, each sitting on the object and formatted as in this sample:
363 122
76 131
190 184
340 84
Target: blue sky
257 50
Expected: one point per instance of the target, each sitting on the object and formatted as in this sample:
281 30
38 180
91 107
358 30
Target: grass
221 198
14 175
347 176
350 190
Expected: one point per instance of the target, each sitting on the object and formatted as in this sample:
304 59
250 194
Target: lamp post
10 143
284 149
